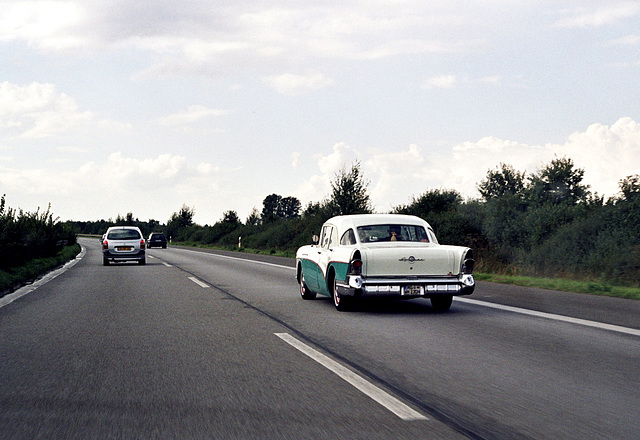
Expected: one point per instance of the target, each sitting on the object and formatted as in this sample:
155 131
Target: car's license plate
413 290
124 248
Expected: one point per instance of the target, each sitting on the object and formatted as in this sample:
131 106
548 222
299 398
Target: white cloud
119 184
47 24
193 114
37 111
224 37
607 154
396 176
601 15
332 163
454 81
318 186
295 160
294 84
441 82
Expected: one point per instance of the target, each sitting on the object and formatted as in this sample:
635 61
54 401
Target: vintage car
393 255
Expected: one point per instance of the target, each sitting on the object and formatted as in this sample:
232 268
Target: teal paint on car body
340 269
312 274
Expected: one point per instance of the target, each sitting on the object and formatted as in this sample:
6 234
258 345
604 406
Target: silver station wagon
123 243
371 255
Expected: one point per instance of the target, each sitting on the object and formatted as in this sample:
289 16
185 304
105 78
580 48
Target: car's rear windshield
159 235
123 234
377 233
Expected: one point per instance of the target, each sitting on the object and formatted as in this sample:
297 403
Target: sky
111 107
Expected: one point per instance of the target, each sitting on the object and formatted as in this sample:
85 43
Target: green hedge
16 277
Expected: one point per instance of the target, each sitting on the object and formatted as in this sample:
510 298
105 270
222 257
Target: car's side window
348 238
325 240
329 237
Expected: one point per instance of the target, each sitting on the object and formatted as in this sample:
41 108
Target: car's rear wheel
342 303
305 293
143 261
105 262
441 303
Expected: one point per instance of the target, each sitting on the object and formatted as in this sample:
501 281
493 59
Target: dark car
157 239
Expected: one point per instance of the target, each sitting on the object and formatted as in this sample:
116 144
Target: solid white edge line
239 259
8 299
382 397
198 282
587 323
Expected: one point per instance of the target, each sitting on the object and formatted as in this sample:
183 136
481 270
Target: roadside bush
26 236
15 277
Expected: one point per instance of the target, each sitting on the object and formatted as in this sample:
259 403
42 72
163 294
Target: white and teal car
371 255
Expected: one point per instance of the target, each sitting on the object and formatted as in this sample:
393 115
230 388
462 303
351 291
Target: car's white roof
111 228
344 222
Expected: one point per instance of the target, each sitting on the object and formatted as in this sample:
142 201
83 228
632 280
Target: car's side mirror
315 239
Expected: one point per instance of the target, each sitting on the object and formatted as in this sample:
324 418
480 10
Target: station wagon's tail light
105 245
142 244
355 267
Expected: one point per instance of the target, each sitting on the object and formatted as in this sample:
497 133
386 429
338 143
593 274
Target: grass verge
591 287
17 277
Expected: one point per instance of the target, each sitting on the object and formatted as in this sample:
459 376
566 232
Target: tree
432 202
276 207
231 218
289 207
179 221
270 208
349 192
558 183
184 217
254 218
630 188
502 181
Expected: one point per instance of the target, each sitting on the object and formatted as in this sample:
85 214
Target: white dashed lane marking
199 283
382 397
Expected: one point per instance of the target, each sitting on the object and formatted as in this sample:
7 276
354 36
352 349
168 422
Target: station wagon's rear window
123 234
378 233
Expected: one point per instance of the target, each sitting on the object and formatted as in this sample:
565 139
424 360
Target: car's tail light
142 244
355 267
105 245
468 263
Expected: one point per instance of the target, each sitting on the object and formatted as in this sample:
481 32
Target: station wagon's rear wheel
441 303
342 303
305 293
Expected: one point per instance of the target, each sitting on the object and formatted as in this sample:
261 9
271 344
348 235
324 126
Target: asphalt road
206 345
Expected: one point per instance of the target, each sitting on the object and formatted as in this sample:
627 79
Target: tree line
25 236
546 223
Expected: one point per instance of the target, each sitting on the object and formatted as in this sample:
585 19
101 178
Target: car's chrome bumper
406 287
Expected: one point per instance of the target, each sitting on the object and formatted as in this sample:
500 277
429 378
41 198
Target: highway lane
146 352
497 374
